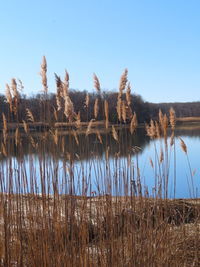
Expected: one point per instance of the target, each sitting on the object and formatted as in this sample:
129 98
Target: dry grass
50 214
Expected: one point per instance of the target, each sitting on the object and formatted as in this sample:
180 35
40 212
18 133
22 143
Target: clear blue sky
157 40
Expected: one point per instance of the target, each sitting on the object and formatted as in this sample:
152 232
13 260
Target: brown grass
50 215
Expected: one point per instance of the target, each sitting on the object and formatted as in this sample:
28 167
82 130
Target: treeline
45 107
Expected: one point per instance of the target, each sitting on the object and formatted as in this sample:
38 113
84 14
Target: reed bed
69 199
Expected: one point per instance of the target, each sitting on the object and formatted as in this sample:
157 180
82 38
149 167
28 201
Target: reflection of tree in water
88 145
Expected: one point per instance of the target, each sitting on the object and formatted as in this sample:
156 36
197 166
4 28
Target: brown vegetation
50 212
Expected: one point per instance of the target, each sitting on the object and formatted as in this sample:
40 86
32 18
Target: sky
157 40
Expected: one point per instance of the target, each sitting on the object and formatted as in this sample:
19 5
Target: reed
73 195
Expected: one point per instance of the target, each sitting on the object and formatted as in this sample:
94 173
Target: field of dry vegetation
48 218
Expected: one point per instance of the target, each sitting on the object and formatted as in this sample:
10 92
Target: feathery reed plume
55 137
160 117
9 97
172 118
69 109
87 100
161 156
172 139
59 93
59 84
32 141
15 94
128 94
55 114
183 145
96 108
78 120
66 85
43 73
96 83
106 110
25 125
165 126
158 130
123 80
124 111
4 151
75 136
58 103
119 107
89 126
17 137
29 115
114 133
99 137
5 128
129 113
134 123
14 87
4 122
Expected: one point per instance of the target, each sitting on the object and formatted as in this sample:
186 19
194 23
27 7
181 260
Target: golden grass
42 220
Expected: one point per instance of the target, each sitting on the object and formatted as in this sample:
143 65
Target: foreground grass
98 231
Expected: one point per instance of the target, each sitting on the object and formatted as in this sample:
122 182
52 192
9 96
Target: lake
97 164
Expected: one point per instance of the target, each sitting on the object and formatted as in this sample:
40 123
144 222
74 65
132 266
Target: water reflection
43 163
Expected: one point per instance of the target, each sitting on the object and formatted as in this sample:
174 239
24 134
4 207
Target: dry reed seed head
43 74
96 108
172 118
172 139
87 100
114 134
3 150
119 108
8 94
158 130
128 94
4 122
96 83
17 137
78 120
59 84
134 123
9 97
123 80
65 88
160 117
99 137
55 114
69 109
124 111
58 103
25 125
165 126
89 127
161 156
29 115
183 145
14 87
106 110
75 137
32 141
